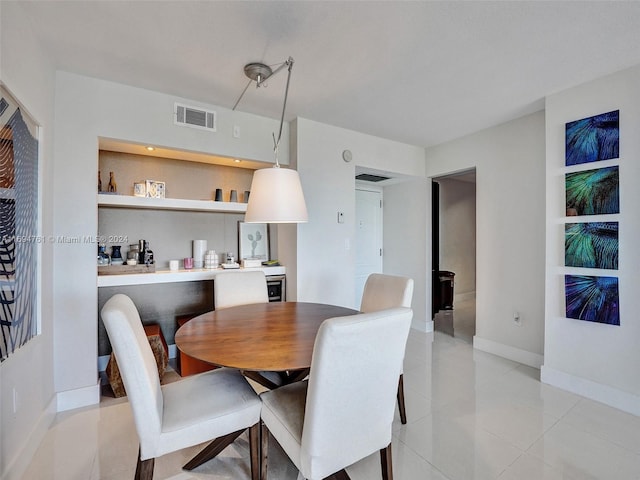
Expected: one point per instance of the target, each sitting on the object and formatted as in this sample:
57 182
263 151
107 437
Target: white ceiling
416 72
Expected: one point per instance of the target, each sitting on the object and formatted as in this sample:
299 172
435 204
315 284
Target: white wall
407 243
325 259
87 109
458 232
27 73
510 197
595 360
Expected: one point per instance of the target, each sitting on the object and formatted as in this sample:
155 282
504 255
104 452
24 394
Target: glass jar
103 256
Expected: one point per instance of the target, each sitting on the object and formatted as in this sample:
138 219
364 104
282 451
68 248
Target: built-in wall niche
170 233
183 179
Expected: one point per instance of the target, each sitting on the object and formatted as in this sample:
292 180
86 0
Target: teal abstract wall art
591 245
593 192
592 139
594 299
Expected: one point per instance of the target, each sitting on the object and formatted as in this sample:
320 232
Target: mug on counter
174 264
188 263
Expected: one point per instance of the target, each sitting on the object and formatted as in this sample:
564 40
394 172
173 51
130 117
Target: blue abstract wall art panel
591 245
593 192
592 139
594 299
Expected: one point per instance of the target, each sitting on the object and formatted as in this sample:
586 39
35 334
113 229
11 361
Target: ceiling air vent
367 177
194 117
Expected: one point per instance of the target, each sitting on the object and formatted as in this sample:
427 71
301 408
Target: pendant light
276 192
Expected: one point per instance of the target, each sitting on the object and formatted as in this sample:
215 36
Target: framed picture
154 189
592 139
20 231
253 241
593 299
139 190
593 192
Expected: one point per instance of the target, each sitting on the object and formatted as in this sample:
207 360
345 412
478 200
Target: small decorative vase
116 256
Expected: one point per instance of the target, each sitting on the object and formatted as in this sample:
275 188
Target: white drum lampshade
276 197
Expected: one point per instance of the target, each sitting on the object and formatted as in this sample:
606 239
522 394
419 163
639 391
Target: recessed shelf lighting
237 160
150 148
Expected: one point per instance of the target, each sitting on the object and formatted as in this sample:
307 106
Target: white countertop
171 276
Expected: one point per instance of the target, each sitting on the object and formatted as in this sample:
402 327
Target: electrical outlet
236 131
340 217
516 318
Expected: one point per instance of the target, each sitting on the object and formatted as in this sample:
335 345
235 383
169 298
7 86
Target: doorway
368 238
454 254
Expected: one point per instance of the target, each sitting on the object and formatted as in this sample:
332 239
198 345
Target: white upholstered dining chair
383 291
239 288
218 405
231 289
344 412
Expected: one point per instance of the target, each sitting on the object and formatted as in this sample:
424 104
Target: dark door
436 299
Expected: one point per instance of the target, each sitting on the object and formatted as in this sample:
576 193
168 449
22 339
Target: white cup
174 264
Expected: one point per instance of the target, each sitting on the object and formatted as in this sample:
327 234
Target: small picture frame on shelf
154 189
253 241
139 189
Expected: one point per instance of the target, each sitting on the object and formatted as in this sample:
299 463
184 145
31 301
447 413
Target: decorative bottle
116 255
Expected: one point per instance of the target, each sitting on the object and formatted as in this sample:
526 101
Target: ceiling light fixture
276 193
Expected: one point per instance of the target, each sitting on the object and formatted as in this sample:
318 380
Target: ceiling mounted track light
258 72
276 193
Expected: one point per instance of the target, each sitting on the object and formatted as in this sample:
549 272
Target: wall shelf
171 276
128 201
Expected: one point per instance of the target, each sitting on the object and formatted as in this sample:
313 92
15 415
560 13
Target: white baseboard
80 397
625 401
18 466
506 351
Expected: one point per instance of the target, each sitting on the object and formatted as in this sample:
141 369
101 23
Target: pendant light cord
276 143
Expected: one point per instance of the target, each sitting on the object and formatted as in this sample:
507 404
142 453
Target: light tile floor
471 415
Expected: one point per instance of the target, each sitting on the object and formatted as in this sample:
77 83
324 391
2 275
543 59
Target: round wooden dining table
276 336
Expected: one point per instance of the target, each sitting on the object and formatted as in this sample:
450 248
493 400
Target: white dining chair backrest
239 288
219 404
137 367
350 400
382 291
